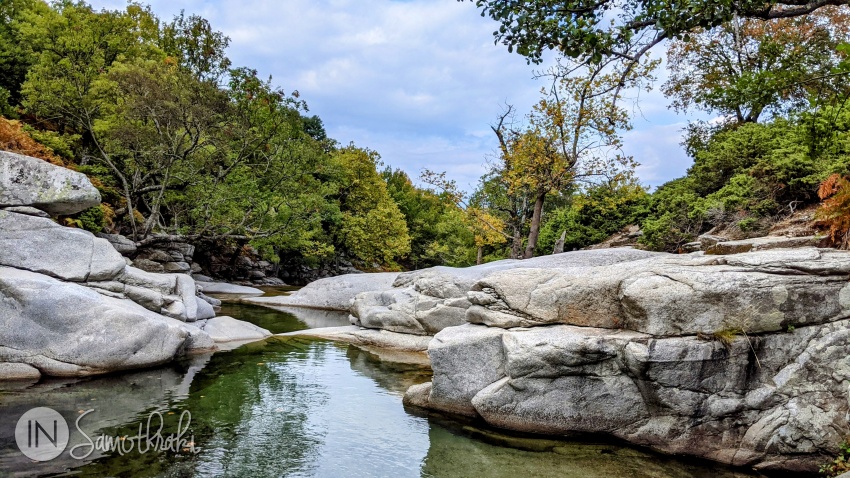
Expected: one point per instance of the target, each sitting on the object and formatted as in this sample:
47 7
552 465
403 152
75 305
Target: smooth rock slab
27 181
427 301
754 292
18 371
230 289
333 293
228 329
382 339
40 245
65 329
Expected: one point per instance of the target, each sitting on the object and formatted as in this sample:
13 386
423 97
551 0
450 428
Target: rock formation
69 303
742 359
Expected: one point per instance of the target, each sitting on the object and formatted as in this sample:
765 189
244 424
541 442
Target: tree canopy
595 29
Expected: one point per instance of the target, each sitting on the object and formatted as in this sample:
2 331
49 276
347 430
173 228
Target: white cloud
419 81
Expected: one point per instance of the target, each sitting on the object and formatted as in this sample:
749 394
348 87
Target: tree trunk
480 258
516 246
535 226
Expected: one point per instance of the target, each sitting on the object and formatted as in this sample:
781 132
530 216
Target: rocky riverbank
70 305
741 358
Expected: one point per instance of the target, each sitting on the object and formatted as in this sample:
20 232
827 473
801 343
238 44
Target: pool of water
299 407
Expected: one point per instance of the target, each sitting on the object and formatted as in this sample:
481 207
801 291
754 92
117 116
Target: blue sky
419 81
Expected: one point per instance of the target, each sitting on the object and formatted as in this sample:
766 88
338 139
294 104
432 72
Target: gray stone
40 245
427 301
774 402
198 340
177 267
26 181
334 293
29 211
18 371
765 243
675 294
154 255
195 268
205 310
228 289
382 339
148 266
121 244
65 329
228 329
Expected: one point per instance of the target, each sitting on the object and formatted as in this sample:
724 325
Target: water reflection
293 406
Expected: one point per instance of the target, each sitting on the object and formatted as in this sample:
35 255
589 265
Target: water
299 407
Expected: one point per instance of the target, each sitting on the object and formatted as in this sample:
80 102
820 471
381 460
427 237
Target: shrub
840 464
833 215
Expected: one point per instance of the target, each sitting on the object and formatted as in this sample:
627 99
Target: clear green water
297 407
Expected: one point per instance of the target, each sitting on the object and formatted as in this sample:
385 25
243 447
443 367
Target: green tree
746 67
592 30
372 229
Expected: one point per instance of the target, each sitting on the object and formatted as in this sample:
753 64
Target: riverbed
290 406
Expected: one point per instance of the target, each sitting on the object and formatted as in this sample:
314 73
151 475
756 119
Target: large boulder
66 329
742 359
26 181
333 293
40 245
753 292
228 329
427 301
777 401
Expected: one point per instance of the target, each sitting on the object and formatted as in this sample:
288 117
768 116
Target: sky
418 81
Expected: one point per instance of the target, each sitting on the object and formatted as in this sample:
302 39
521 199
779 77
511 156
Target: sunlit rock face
742 359
69 303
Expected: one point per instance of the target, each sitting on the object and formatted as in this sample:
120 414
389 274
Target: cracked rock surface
742 359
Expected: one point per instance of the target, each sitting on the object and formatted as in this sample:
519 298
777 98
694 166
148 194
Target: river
298 407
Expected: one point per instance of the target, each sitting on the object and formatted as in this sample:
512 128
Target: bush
833 215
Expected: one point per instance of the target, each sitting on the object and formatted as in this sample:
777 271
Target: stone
228 329
66 329
195 268
18 371
122 244
360 336
334 293
427 301
228 289
27 181
755 292
765 243
154 255
205 310
29 211
469 358
177 267
777 401
198 340
40 245
148 265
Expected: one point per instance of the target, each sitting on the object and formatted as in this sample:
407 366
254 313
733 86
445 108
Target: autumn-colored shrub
833 215
13 138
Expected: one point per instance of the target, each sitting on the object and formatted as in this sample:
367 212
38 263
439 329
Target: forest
181 142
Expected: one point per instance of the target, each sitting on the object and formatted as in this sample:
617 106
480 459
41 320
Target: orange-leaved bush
833 215
13 138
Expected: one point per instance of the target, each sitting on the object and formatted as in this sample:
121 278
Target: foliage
373 228
15 138
834 212
841 463
746 67
593 30
594 214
